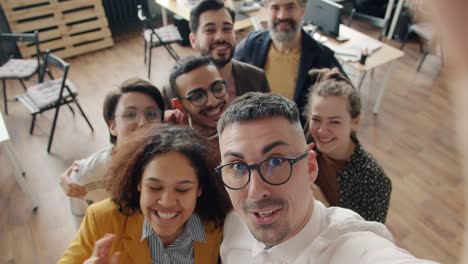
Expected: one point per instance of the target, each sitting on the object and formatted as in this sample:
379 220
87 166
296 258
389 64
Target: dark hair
253 106
331 82
131 85
130 159
186 65
202 7
302 3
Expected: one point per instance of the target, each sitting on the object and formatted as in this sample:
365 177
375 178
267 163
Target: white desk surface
383 55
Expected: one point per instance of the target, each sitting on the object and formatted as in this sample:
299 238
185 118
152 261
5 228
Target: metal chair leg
5 97
422 60
33 121
22 83
84 115
149 62
144 55
71 109
52 131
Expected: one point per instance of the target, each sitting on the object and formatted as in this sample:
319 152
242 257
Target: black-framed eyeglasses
199 96
274 171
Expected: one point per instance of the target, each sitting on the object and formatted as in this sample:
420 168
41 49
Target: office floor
412 136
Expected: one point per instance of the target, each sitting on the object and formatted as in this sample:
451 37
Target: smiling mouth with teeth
214 111
166 216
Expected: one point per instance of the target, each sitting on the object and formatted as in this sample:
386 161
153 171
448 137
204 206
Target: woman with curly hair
166 204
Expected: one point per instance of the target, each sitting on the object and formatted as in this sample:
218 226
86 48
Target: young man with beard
285 51
200 93
212 34
267 169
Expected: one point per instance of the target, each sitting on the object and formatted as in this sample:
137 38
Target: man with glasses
134 104
267 169
200 93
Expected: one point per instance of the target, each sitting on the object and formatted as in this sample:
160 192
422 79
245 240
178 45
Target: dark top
254 50
363 186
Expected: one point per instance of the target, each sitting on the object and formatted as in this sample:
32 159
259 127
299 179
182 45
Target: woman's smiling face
169 190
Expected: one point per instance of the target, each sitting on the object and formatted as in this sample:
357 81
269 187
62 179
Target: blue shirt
179 251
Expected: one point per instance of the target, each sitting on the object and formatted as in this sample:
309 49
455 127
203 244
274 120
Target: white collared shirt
332 236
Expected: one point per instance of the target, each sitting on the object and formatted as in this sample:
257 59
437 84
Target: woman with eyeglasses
348 176
166 204
133 105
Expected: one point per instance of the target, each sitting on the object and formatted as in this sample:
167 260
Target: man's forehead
202 76
214 16
258 134
283 2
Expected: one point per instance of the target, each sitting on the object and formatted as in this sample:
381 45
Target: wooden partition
66 27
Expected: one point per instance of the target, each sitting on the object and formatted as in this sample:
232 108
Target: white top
91 173
332 236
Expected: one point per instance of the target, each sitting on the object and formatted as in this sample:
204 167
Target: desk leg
19 175
164 15
382 88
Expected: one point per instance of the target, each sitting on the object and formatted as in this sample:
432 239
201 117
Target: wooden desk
384 55
5 144
181 8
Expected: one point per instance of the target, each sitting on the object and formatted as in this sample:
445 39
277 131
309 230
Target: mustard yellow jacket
104 217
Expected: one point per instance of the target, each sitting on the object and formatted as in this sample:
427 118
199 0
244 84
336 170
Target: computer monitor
324 14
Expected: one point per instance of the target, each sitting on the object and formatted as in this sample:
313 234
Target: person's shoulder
257 35
246 67
367 162
96 159
341 221
312 44
104 208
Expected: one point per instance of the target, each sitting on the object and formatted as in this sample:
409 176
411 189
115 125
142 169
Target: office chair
425 34
18 68
52 94
156 37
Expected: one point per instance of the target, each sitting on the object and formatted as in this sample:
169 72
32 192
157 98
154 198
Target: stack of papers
352 50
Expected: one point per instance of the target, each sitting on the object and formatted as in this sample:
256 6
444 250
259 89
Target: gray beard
282 36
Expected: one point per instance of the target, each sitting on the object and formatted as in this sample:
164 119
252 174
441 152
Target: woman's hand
101 251
69 187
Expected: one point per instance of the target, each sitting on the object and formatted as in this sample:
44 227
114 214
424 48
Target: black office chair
18 68
156 37
348 10
51 94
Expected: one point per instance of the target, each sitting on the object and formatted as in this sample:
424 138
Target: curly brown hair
130 159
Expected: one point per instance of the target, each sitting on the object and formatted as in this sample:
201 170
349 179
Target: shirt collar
194 229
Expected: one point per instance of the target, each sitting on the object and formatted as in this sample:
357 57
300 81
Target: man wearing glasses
267 169
200 93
